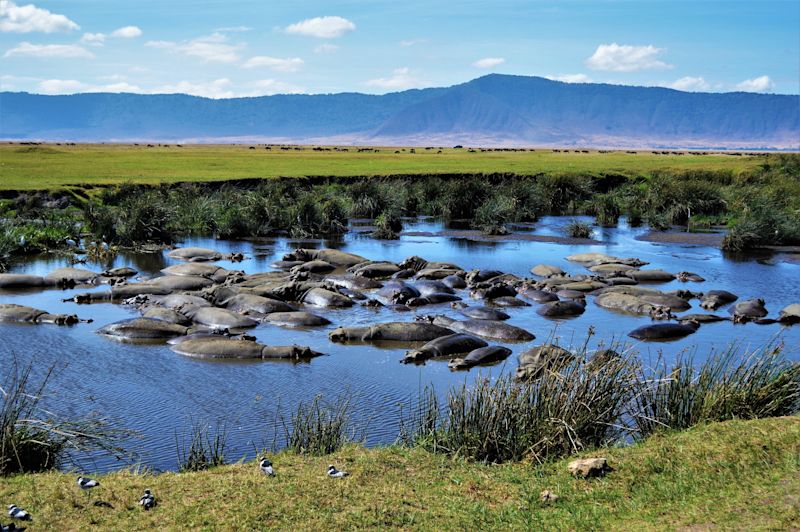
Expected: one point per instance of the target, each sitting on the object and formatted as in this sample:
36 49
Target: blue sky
226 48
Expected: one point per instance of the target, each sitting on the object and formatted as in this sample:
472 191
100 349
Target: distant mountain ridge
491 110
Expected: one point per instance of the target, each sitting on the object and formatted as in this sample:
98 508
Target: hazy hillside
494 109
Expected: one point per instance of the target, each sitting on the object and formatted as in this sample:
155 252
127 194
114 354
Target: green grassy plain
47 167
734 475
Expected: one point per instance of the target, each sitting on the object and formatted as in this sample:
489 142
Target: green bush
578 229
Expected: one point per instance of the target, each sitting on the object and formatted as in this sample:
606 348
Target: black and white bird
15 512
87 483
11 527
266 468
335 473
148 500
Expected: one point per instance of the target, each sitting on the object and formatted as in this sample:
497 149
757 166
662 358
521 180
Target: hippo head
413 263
413 356
66 319
297 254
338 334
425 318
65 284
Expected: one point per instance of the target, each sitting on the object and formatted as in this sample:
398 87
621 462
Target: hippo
508 301
493 330
561 309
353 283
219 347
444 346
685 277
76 275
790 314
713 299
252 303
321 297
12 281
611 267
583 286
390 332
702 318
436 273
566 293
665 331
620 281
314 294
398 292
479 276
592 257
199 269
748 310
143 329
11 313
427 287
650 276
534 361
418 264
125 291
480 357
165 314
484 313
331 256
119 272
602 358
540 296
220 318
493 291
178 301
285 264
455 282
296 319
432 299
195 254
181 282
373 270
546 270
314 266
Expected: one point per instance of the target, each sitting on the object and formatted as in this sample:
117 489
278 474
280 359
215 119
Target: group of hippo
204 310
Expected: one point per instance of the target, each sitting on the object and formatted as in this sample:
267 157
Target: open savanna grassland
53 166
731 475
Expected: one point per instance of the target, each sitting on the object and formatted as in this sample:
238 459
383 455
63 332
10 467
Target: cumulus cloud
626 58
289 64
321 27
29 18
94 39
691 84
400 79
488 62
219 88
759 84
233 29
127 32
571 78
266 87
326 48
68 51
210 48
72 86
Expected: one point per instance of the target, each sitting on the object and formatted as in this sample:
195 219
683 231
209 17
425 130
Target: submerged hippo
540 358
11 313
253 303
444 346
353 283
790 314
685 277
480 357
455 282
12 281
561 309
321 297
119 272
373 270
432 299
390 332
199 269
313 266
702 318
427 287
398 292
546 270
76 275
540 296
713 299
219 347
650 276
664 331
195 254
297 318
166 314
174 283
331 256
493 330
484 313
418 264
220 318
748 310
508 301
602 358
143 329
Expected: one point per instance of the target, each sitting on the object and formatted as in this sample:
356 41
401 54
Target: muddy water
156 392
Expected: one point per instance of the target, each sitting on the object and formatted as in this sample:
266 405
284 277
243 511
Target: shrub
387 226
319 429
606 210
203 450
578 229
495 213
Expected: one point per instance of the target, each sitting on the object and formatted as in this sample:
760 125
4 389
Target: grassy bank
731 475
46 167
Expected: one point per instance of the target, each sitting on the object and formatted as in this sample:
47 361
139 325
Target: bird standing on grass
11 527
266 468
335 473
148 500
87 483
15 512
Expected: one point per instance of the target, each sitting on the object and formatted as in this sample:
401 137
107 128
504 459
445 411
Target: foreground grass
47 167
732 475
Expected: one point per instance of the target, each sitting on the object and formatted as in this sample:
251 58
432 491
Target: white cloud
26 49
29 18
412 42
220 88
128 32
211 48
326 48
571 78
626 58
233 29
289 64
691 84
321 27
72 86
759 84
94 39
400 79
266 87
488 62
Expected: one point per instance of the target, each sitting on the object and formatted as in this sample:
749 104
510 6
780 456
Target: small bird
15 512
335 473
266 468
148 500
87 483
11 527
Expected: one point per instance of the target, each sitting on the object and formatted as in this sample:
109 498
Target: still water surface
157 393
